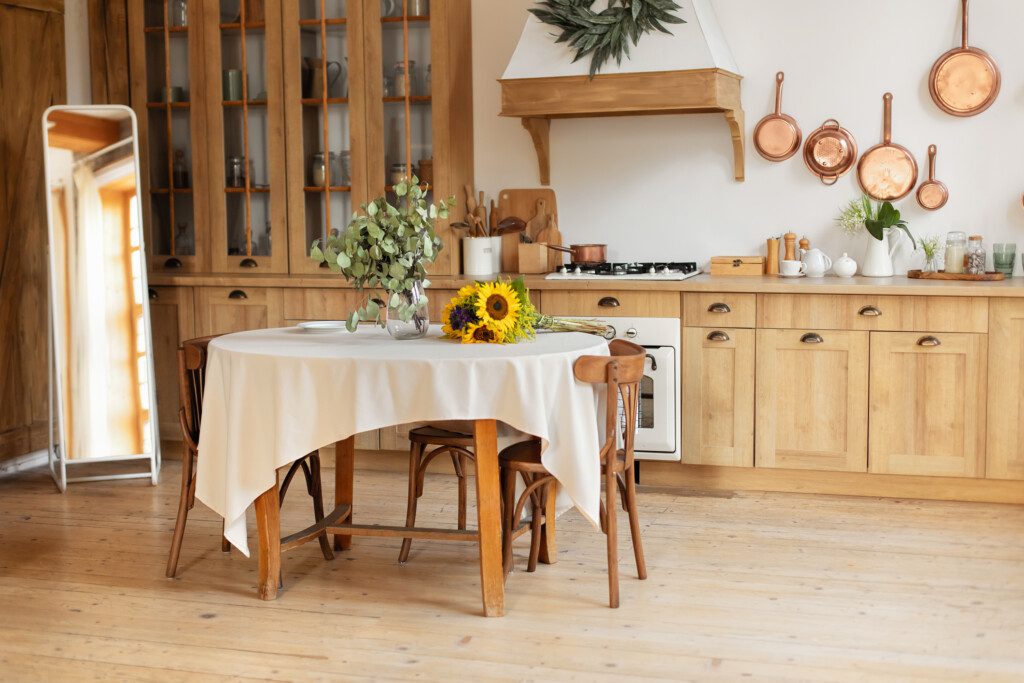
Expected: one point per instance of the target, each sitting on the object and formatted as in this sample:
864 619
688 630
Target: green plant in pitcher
387 247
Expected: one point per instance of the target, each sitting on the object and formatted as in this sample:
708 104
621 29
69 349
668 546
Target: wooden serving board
521 203
943 275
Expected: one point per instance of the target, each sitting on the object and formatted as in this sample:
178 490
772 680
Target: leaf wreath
608 33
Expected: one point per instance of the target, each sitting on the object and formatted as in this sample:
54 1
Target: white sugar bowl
844 266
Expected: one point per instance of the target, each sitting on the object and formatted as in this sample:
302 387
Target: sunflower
481 333
446 319
466 291
498 304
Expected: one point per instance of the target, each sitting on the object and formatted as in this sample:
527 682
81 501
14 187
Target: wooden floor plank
782 587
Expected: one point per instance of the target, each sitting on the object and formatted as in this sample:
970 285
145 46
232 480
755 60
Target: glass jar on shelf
179 13
956 247
180 170
236 172
428 88
402 81
976 256
184 244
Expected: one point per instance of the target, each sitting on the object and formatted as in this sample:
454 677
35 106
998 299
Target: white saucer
322 326
797 275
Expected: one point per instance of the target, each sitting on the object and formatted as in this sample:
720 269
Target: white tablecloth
272 396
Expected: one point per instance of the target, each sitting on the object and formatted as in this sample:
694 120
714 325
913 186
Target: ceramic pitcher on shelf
312 71
878 256
816 262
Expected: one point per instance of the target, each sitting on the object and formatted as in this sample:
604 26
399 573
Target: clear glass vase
407 316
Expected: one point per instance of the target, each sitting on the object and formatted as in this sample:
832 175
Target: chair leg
415 454
634 527
316 492
463 491
179 523
508 498
537 516
613 538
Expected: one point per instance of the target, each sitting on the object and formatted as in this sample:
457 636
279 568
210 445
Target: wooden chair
192 356
458 446
621 372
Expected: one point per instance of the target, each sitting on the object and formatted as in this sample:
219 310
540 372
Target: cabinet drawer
221 310
321 304
873 312
610 304
725 310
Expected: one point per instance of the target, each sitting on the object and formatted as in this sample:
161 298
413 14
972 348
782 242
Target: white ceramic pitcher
878 256
816 262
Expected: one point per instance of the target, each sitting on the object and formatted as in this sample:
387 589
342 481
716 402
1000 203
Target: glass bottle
183 243
318 170
179 13
956 246
180 170
428 88
236 172
401 78
976 256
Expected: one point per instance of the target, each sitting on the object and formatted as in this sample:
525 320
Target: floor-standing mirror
102 386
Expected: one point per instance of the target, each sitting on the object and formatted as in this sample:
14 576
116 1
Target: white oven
657 436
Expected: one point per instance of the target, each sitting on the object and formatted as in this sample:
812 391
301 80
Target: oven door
658 413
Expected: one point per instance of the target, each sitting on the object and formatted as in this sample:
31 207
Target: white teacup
791 268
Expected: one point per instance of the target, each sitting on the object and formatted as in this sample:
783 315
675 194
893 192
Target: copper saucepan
777 136
888 171
583 254
965 81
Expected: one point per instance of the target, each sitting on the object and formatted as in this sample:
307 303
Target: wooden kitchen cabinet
172 317
718 396
928 403
1005 442
811 402
220 310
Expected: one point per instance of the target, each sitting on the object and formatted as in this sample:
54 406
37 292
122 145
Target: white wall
658 187
76 52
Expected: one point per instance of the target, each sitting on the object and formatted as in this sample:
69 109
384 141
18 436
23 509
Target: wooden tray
943 275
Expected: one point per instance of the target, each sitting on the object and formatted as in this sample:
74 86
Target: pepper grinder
771 265
805 245
790 240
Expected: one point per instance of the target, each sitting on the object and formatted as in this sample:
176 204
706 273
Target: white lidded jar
844 266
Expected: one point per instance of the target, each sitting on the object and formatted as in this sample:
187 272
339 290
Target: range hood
691 71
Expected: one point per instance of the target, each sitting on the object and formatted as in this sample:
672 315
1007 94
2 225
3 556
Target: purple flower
460 317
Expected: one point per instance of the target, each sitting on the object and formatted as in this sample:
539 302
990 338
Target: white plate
797 275
322 326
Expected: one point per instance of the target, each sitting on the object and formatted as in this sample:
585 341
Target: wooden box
737 265
533 259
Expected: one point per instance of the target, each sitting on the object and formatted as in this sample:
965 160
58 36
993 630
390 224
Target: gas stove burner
666 268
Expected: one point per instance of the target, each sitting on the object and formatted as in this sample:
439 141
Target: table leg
268 531
344 476
488 506
548 542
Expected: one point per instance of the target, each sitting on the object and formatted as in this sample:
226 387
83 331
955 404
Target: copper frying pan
965 81
933 193
830 152
777 136
888 171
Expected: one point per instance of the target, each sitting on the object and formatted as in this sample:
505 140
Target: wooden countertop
1012 287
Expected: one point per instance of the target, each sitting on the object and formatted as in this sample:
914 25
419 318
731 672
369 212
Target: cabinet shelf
251 103
339 21
252 190
167 190
250 26
316 101
173 105
415 99
160 29
417 19
334 188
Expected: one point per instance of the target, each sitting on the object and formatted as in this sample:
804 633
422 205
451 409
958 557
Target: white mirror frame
58 462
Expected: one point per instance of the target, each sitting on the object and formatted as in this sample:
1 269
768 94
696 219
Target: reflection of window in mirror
97 283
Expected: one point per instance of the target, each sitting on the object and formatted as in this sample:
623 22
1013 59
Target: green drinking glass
1004 255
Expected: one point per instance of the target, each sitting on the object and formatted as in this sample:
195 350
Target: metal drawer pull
248 263
718 336
869 312
238 294
608 302
812 338
153 296
719 308
929 341
172 263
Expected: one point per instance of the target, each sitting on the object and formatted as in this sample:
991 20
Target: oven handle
654 363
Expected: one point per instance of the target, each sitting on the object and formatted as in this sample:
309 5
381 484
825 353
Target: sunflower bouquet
500 312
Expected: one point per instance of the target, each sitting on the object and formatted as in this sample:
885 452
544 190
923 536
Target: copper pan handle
932 149
567 250
779 77
887 118
963 29
829 179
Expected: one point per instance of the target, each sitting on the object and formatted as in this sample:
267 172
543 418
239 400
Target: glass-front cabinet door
245 146
417 119
166 78
325 120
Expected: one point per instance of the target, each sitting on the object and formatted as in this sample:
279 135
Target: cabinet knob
608 302
719 308
812 338
153 296
238 294
248 263
172 263
718 336
869 312
929 341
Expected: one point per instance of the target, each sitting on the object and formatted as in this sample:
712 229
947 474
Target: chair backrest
191 382
621 372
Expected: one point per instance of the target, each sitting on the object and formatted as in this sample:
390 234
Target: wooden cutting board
521 203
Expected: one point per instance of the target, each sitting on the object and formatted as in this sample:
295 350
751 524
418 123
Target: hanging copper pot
830 152
965 81
888 171
932 194
777 136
